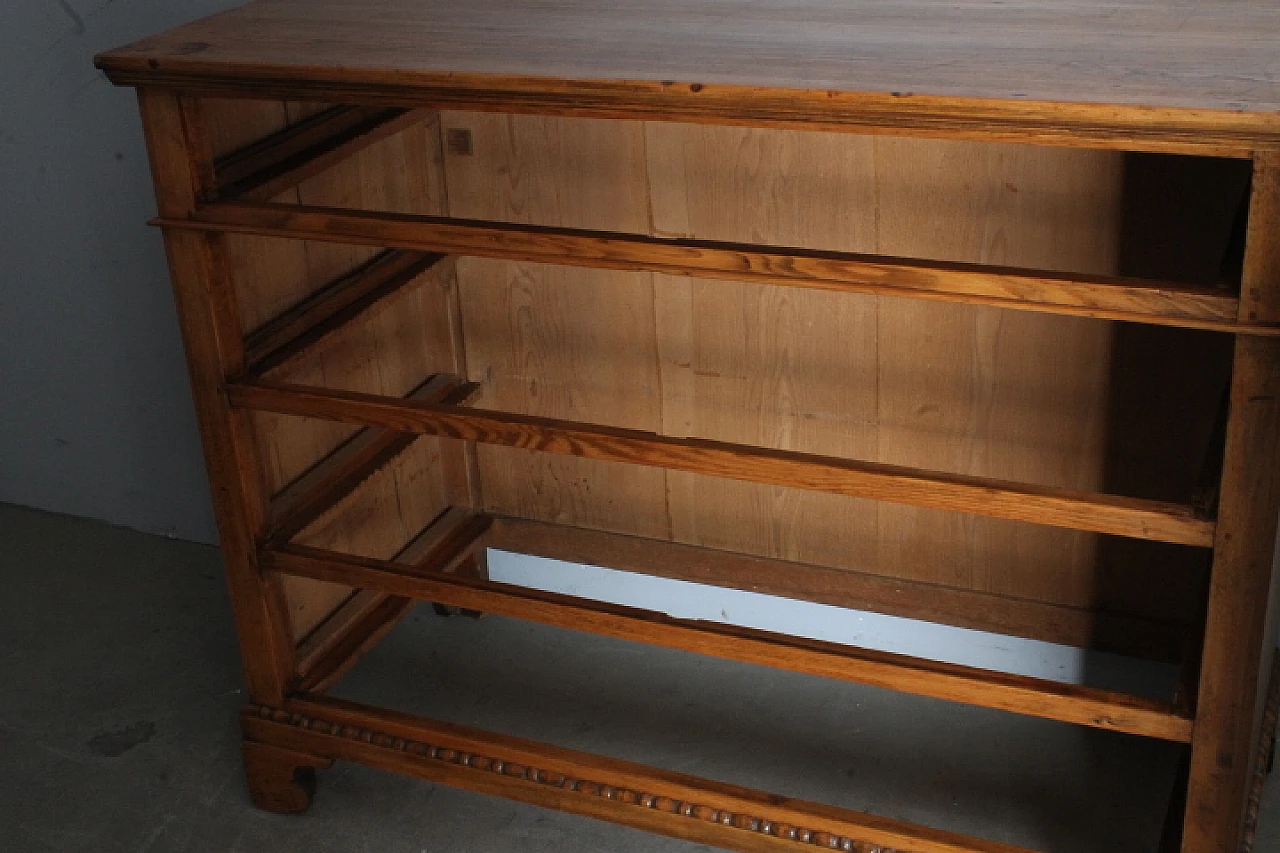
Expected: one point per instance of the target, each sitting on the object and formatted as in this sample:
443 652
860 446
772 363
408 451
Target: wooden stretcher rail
1134 300
304 325
1121 516
1018 694
675 804
281 161
323 485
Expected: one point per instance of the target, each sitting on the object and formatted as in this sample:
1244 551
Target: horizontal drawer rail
1122 516
266 168
1018 694
1134 300
352 629
610 789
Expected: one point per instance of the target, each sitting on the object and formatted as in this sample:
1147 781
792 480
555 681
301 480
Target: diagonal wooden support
324 312
356 627
268 167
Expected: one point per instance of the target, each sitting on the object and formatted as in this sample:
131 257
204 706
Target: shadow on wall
1183 221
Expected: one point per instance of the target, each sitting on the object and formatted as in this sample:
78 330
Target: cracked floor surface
119 687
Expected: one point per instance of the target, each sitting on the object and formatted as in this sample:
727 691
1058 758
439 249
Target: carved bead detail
666 804
810 837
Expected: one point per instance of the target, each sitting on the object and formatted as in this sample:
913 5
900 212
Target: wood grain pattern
460 467
847 375
1042 167
810 371
802 362
987 688
1168 75
993 393
943 387
557 341
624 792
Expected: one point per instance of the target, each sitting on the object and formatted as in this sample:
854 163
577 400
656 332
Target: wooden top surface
1220 58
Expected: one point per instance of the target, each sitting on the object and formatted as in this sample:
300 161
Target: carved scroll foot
281 780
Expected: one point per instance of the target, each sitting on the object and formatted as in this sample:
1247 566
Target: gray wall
95 416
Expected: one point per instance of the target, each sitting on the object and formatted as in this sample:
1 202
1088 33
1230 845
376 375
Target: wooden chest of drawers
969 314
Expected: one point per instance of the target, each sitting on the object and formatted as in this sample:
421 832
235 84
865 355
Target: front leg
281 780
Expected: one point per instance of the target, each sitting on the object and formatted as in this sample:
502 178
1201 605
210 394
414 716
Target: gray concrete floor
119 687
